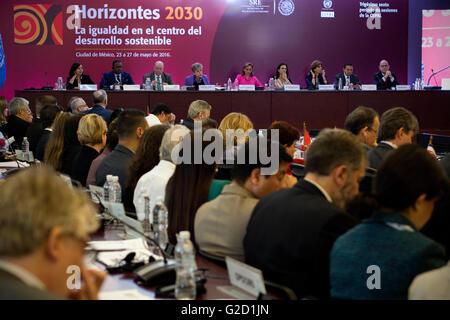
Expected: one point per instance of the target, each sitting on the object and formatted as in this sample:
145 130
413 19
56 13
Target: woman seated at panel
197 78
315 76
247 77
379 258
76 77
282 76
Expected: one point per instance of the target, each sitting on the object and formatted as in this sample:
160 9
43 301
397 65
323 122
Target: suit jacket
377 154
310 85
12 288
189 123
34 133
116 163
353 79
85 79
290 235
165 77
220 224
109 78
189 81
42 144
16 127
389 241
384 85
82 163
68 158
101 111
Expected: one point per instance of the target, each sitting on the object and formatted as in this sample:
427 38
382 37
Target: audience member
18 122
198 110
3 111
363 122
115 114
71 144
111 142
44 227
92 137
146 158
287 135
77 105
160 114
379 258
36 128
100 103
131 125
398 126
291 231
234 129
220 224
47 117
188 188
153 183
54 148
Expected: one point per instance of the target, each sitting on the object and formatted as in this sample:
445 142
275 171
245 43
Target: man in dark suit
35 130
363 122
42 259
19 120
384 79
116 76
158 77
100 103
291 231
398 126
131 125
348 78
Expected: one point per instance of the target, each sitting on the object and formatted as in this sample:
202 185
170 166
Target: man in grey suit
348 78
42 239
158 77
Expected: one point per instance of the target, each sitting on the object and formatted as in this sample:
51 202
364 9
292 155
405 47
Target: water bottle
60 83
25 149
229 84
185 287
106 187
148 85
340 84
146 223
236 85
115 191
271 84
422 84
160 223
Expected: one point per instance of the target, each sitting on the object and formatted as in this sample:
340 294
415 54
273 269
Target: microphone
432 71
435 73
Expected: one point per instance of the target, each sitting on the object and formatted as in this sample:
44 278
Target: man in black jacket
36 129
384 79
19 120
397 127
291 231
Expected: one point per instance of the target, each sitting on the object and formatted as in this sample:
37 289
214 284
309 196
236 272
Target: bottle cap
185 235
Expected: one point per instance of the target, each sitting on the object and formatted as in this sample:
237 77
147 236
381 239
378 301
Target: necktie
158 82
118 78
347 80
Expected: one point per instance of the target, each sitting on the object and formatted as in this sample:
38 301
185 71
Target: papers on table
117 245
123 295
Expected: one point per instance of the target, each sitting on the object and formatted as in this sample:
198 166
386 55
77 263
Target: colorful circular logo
286 7
327 4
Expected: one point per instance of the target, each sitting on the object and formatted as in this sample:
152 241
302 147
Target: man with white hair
158 77
77 105
153 183
198 110
384 79
42 239
19 120
100 103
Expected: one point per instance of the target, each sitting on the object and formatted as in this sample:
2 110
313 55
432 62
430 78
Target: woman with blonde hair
92 136
55 145
232 136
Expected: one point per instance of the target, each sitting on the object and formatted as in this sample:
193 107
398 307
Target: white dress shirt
153 184
152 120
318 186
24 275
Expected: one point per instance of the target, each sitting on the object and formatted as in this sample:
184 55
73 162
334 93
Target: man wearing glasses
19 120
384 79
363 122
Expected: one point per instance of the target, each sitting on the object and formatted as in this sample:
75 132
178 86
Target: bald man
158 77
384 79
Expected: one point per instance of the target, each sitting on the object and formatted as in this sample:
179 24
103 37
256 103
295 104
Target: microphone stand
435 73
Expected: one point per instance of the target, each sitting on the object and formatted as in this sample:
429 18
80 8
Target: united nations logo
327 4
286 7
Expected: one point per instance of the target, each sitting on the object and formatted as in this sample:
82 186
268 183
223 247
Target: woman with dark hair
71 144
247 77
282 76
287 135
146 158
388 248
187 190
115 114
3 110
315 76
112 139
76 77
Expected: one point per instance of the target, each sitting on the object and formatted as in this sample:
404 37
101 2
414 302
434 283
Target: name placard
403 87
291 87
116 209
326 87
245 277
88 87
206 87
171 87
368 87
246 87
131 87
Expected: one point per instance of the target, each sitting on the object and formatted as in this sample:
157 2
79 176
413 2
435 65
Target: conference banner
42 39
